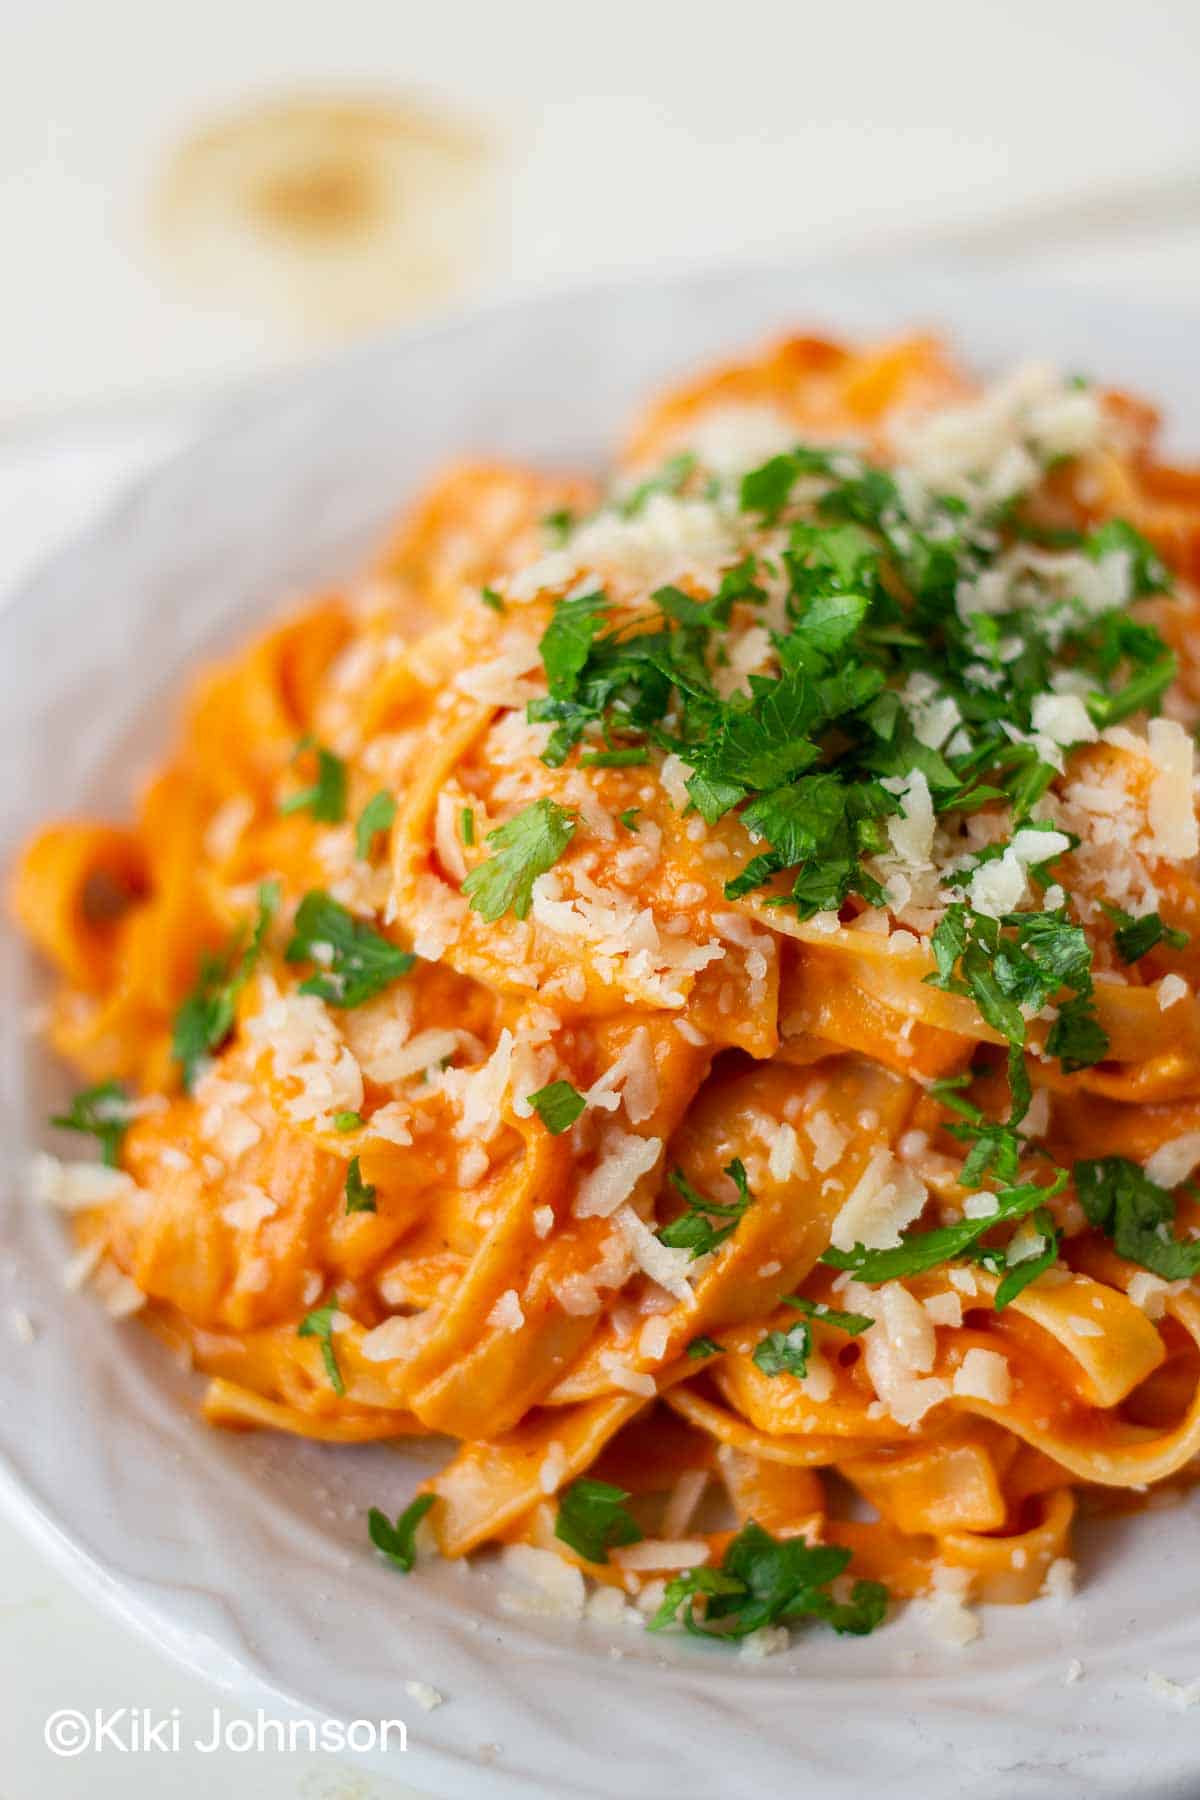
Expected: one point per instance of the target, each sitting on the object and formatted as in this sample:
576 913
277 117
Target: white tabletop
1063 137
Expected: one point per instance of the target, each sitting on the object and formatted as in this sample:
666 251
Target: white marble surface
638 134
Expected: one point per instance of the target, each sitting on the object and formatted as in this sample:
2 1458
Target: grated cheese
1171 990
1174 1161
984 1375
622 1161
887 1197
506 1313
662 1553
1170 807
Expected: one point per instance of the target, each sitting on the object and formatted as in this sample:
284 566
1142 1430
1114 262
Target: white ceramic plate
246 1557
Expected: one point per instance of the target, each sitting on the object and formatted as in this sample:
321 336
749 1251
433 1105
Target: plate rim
439 1767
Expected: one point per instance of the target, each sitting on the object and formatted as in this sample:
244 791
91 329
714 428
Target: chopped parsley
1019 1272
769 1581
466 826
205 1019
669 480
629 818
360 1195
886 669
1136 937
102 1112
1119 1199
354 962
557 1106
785 1352
850 1322
491 598
592 1519
525 846
376 816
1022 960
558 524
704 1346
567 641
347 1121
615 759
705 1224
319 1324
922 1250
325 799
398 1542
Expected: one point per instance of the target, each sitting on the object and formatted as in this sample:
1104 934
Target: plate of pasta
605 1093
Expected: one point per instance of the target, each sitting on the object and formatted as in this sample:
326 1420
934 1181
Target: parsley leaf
922 1250
669 480
319 1324
557 1106
398 1542
205 1019
347 1121
1149 576
567 641
360 1195
1119 1199
326 798
703 1346
592 1519
784 1352
354 962
376 816
466 826
525 847
101 1112
768 489
1018 1275
1136 937
765 1581
1139 694
850 1322
491 598
694 1229
1024 959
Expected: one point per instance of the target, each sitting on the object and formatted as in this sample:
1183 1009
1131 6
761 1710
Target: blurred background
190 194
192 198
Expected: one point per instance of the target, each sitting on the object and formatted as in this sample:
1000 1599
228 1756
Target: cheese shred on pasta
689 986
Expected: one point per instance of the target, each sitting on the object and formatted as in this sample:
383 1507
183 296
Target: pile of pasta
445 1089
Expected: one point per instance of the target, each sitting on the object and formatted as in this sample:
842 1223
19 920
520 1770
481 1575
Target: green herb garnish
850 1322
926 1249
1136 937
526 846
696 1229
1119 1199
206 1017
360 1195
101 1112
592 1519
319 1324
326 798
558 1106
354 962
785 1352
398 1542
376 816
769 1581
